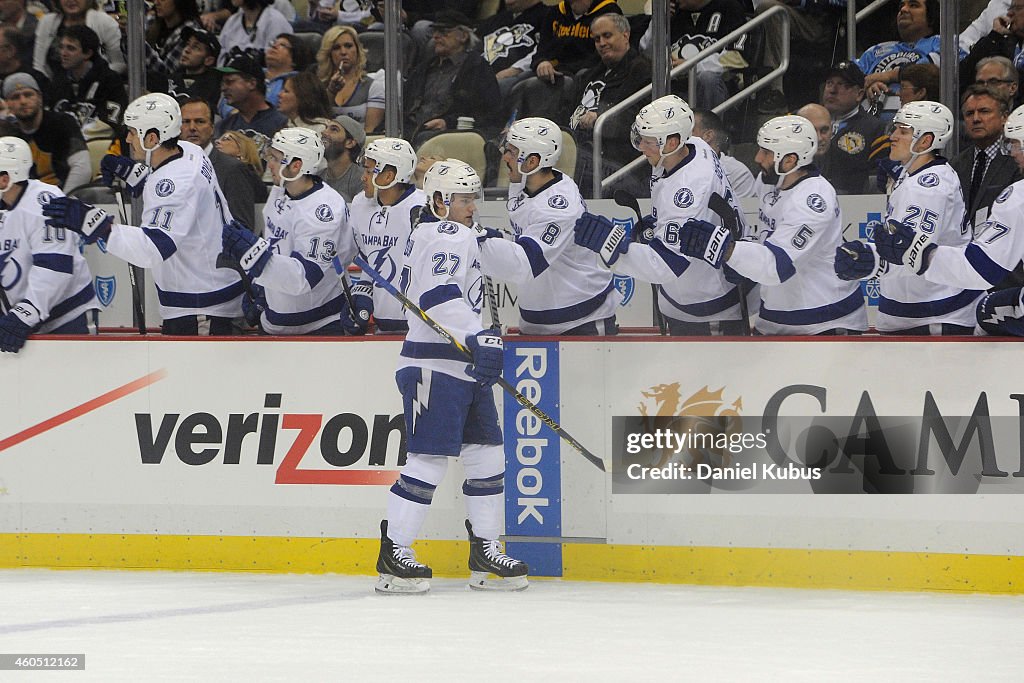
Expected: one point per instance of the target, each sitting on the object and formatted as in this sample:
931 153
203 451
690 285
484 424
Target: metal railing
853 17
599 184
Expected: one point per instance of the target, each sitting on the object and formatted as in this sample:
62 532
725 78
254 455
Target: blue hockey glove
643 232
706 241
900 243
1001 313
856 261
356 319
16 326
887 170
253 306
77 216
485 233
251 252
488 357
133 174
601 236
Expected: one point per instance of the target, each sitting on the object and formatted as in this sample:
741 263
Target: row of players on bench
933 269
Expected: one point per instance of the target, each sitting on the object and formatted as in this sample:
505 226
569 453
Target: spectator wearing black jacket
86 87
510 40
565 43
1006 39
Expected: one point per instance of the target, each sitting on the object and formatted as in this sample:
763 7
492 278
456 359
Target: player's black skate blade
491 569
400 573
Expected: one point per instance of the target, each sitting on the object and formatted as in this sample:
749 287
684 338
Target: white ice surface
170 626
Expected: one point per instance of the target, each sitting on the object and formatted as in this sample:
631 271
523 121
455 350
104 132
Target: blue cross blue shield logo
106 287
626 286
626 223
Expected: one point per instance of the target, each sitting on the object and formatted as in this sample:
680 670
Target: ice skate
400 573
491 569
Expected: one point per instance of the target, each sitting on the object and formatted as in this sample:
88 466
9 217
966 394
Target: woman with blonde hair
352 91
237 144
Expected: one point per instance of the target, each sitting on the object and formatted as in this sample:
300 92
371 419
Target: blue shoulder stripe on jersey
313 272
61 263
676 262
574 313
927 309
199 300
84 296
431 350
984 266
704 308
324 310
783 264
821 314
162 241
534 254
439 295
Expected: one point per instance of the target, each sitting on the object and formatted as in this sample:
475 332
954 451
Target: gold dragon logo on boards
706 419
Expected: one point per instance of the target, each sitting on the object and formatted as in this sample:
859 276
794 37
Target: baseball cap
450 18
849 72
243 64
354 129
203 36
17 81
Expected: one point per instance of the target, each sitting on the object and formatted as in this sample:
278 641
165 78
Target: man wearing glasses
1004 40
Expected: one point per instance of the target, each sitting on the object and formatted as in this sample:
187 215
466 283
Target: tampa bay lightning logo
324 213
1005 195
626 286
558 202
447 228
383 263
105 287
683 198
10 271
165 187
44 198
816 202
279 204
928 180
515 202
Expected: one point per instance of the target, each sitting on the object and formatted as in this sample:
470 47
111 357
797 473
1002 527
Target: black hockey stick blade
624 198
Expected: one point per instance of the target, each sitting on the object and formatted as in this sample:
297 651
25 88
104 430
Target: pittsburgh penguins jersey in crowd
380 234
40 264
442 276
561 285
689 290
510 38
930 200
798 230
690 31
183 215
305 232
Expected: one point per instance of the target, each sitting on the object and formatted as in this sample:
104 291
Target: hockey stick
138 306
492 297
721 206
624 198
468 355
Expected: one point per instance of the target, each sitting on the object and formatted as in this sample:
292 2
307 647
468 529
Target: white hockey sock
483 488
409 498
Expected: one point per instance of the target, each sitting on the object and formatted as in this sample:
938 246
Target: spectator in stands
696 24
240 182
165 36
86 88
58 147
1005 39
822 122
343 143
510 40
304 101
423 164
919 82
455 82
255 24
237 144
996 11
621 72
10 61
353 92
196 75
242 86
858 138
985 169
285 57
565 44
419 16
46 53
998 72
14 15
708 126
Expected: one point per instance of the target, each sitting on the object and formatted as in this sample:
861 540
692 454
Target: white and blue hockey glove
75 215
601 236
1001 313
355 319
706 241
488 357
132 173
16 325
857 261
900 243
241 244
643 232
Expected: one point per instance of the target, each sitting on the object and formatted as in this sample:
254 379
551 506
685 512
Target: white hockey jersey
798 230
442 276
380 234
183 214
561 285
305 232
929 199
689 289
40 264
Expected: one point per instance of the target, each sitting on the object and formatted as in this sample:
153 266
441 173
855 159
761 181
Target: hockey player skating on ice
381 222
798 229
183 213
305 226
45 282
997 249
563 288
449 405
694 297
927 196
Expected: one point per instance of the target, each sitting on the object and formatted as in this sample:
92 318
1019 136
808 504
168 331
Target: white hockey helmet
790 134
926 117
535 135
302 144
155 111
450 177
665 116
1013 129
394 152
15 158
